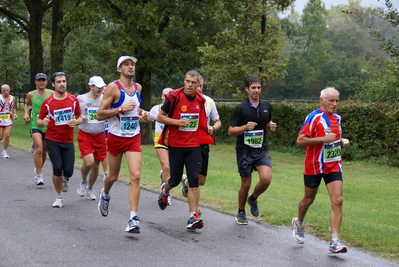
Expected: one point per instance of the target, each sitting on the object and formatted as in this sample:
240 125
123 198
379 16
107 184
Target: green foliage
248 43
382 82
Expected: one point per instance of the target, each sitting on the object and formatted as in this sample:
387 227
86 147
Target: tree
29 16
382 83
248 43
163 35
309 51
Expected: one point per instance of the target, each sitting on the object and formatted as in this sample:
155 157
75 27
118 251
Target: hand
46 120
26 118
15 116
128 106
330 138
183 122
272 126
250 126
145 116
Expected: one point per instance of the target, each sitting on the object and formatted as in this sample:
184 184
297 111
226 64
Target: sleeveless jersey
153 115
127 124
6 108
36 105
325 157
89 108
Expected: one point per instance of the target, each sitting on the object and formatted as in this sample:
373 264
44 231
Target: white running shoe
90 195
81 189
298 232
133 226
32 147
39 179
337 247
5 155
58 203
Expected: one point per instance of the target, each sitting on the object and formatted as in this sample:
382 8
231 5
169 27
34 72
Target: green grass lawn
371 206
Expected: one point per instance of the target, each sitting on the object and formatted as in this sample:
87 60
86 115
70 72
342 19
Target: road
32 233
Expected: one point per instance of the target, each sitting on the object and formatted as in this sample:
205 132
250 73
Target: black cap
40 76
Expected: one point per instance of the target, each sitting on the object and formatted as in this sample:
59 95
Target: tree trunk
35 45
57 38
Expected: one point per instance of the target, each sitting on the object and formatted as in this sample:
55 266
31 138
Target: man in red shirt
321 137
60 113
183 114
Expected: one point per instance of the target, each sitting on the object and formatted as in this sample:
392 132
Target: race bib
92 115
62 116
129 123
5 116
332 151
253 138
193 124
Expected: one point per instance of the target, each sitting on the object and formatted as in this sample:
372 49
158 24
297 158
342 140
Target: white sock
133 213
335 236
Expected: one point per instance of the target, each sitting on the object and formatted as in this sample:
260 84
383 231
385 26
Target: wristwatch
120 110
214 129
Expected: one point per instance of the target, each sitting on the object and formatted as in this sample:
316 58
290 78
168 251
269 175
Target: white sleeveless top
127 124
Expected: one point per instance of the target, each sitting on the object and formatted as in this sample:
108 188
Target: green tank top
36 105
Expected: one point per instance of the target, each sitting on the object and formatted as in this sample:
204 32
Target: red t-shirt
322 158
59 112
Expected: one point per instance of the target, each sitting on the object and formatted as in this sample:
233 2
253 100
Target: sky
300 4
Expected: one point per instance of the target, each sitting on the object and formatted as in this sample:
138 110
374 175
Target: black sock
241 211
252 198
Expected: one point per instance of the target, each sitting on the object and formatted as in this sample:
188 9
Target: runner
91 137
121 106
250 121
183 114
211 115
60 113
8 113
33 103
321 136
161 150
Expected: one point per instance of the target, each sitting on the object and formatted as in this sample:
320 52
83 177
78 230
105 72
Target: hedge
372 128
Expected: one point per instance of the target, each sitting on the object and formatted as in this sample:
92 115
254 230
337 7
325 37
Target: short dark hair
251 80
193 73
56 74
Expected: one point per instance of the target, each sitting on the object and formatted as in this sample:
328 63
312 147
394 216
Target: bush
372 128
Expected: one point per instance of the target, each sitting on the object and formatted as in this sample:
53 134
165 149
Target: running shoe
298 232
81 191
162 201
32 147
103 204
5 155
133 226
65 181
241 218
39 179
254 207
184 188
337 247
90 194
195 222
58 203
169 196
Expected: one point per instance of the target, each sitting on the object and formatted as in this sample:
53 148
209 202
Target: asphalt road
32 233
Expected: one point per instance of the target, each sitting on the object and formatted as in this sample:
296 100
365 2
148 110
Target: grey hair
193 73
325 91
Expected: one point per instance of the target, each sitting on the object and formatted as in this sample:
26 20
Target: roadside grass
371 206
